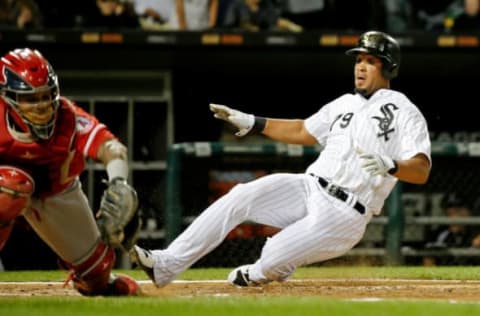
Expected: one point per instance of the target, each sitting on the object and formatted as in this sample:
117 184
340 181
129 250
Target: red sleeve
90 133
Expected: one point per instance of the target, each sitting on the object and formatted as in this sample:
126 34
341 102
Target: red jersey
56 162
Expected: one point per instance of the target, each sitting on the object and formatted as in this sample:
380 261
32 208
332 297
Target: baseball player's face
36 107
368 74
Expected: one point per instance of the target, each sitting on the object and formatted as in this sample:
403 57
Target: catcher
44 142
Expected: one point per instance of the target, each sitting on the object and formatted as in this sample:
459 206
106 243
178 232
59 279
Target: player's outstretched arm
290 131
285 130
246 123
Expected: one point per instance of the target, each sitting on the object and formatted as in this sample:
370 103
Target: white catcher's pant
315 227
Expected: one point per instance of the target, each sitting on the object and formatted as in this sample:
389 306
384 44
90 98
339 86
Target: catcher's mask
382 46
29 86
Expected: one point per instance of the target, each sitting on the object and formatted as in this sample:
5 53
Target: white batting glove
243 121
376 164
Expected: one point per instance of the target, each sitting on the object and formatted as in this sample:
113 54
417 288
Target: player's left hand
118 208
243 121
376 164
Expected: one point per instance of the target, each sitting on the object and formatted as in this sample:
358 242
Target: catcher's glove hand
118 208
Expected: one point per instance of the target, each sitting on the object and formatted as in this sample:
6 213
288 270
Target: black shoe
239 276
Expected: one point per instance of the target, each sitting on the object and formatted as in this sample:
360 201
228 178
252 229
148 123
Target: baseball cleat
239 277
144 259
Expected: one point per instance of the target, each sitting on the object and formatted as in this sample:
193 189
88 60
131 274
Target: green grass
240 305
362 272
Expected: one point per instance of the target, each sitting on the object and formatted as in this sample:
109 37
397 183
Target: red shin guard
92 276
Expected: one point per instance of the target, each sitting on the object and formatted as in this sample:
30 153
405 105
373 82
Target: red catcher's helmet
25 73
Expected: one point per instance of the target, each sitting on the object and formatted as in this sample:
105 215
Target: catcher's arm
117 218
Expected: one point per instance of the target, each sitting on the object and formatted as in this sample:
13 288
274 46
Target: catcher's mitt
118 208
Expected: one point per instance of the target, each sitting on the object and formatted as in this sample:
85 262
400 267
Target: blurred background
149 69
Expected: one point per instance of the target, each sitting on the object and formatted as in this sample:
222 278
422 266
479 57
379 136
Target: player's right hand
243 121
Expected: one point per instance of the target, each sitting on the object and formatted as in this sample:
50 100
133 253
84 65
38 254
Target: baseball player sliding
371 138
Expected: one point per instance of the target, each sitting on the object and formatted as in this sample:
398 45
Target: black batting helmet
382 46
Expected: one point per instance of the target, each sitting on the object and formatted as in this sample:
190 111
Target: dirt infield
368 289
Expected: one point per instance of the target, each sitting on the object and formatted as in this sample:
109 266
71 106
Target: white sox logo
385 122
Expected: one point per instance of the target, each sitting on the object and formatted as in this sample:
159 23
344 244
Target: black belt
337 192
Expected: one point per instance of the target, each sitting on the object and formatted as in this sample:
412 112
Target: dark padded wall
283 81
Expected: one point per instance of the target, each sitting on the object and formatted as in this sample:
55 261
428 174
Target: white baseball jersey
316 225
387 123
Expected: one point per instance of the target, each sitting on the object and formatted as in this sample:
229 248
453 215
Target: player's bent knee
16 188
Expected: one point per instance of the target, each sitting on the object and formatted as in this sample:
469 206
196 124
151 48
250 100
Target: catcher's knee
16 188
91 277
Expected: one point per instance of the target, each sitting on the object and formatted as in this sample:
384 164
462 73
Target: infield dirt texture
355 289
